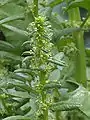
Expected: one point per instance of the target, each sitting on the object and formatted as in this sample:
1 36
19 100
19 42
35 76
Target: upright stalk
39 46
80 72
35 7
58 113
43 94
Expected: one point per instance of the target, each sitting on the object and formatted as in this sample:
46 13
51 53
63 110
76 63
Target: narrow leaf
7 55
19 94
14 29
17 118
54 3
5 46
11 18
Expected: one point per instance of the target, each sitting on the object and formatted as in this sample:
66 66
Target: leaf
27 53
78 99
2 105
14 29
19 94
17 118
5 46
54 3
55 75
51 85
58 33
60 63
7 55
80 3
20 76
3 2
65 106
18 85
10 9
58 57
23 71
25 43
56 21
11 18
26 108
88 73
34 107
87 50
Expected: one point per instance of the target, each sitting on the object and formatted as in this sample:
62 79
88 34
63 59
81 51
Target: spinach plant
49 79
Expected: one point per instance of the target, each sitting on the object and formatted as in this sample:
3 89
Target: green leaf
11 18
88 73
78 99
34 107
5 46
58 33
2 105
87 50
25 43
59 56
26 108
17 118
14 29
80 3
51 85
3 2
10 9
55 75
65 106
21 77
27 53
60 63
54 3
23 71
7 55
19 94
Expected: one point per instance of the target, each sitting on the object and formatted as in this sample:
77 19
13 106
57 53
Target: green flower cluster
40 41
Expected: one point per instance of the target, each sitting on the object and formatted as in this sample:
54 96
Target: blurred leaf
19 94
78 99
55 75
11 18
80 3
5 46
17 118
87 50
14 29
88 73
23 71
10 9
54 3
7 55
51 85
58 33
3 2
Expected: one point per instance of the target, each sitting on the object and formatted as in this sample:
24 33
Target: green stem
80 72
43 94
57 115
56 96
35 7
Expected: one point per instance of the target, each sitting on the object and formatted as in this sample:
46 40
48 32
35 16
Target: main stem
43 94
35 7
80 72
42 74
